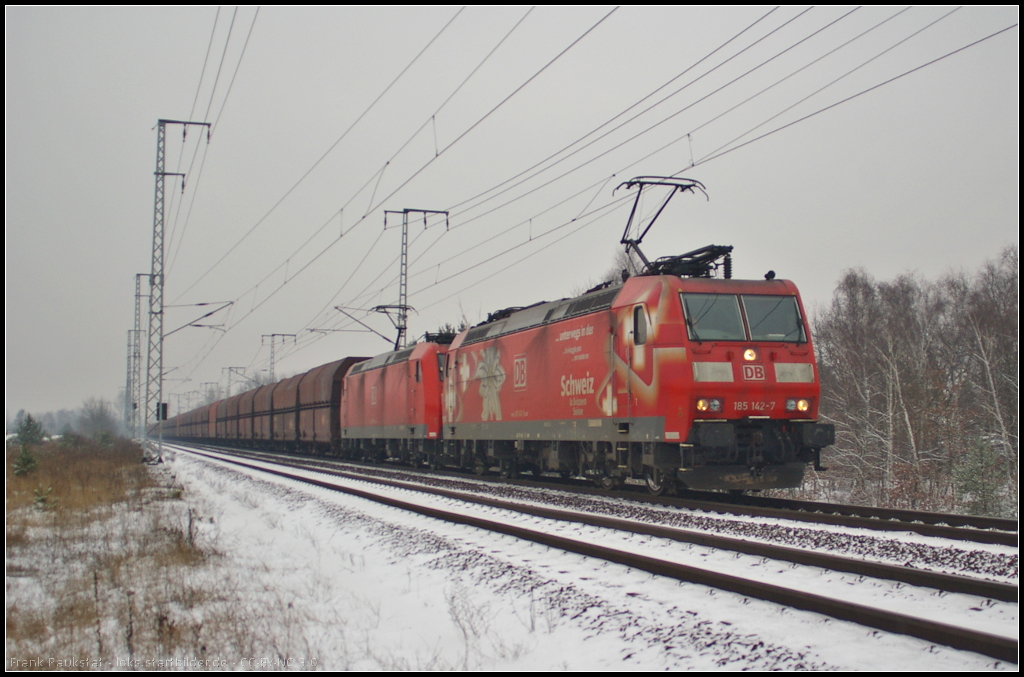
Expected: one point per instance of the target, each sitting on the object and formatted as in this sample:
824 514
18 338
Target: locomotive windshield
713 317
774 318
720 317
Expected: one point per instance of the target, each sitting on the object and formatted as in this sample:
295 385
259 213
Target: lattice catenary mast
155 361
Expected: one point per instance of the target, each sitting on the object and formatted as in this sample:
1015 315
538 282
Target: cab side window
639 326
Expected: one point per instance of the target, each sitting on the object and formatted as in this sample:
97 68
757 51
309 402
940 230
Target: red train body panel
391 404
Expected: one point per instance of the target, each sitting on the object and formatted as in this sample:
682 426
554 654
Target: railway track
943 525
966 528
996 646
931 518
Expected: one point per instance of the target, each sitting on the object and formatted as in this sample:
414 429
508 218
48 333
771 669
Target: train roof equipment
697 263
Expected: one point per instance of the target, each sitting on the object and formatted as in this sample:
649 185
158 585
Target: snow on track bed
548 608
990 562
991 617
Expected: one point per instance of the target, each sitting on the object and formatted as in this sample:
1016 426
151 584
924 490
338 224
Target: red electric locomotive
391 405
708 383
673 377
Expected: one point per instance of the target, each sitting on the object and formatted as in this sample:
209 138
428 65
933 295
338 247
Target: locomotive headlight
750 355
798 405
712 404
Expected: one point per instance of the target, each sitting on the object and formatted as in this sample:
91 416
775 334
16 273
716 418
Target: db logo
519 373
753 372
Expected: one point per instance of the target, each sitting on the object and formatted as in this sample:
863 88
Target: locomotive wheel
608 483
479 467
656 483
508 469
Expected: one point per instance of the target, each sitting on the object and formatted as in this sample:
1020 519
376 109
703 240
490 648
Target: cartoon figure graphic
491 375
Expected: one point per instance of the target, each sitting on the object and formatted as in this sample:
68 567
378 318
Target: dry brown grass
99 558
80 476
108 566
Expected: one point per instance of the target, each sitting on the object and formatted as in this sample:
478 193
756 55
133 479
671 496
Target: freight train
673 378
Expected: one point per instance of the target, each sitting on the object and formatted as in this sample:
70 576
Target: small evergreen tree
69 438
25 463
976 478
29 431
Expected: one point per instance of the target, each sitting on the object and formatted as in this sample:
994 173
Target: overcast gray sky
917 175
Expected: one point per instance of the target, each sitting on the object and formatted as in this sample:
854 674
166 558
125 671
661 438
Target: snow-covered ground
354 584
988 561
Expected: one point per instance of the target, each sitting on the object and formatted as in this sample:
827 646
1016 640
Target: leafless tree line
920 379
96 419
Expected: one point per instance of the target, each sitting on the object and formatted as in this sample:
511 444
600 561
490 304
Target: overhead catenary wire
858 94
455 91
800 70
206 60
454 207
175 202
379 174
676 77
206 116
238 64
720 152
452 143
467 221
196 183
614 204
734 55
711 157
611 206
589 187
334 145
618 115
847 99
664 120
758 138
220 66
458 225
597 213
479 121
495 108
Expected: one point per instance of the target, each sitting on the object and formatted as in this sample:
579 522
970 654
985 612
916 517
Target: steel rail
953 520
995 537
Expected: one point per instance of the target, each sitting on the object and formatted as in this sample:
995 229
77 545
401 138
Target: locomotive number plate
745 405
